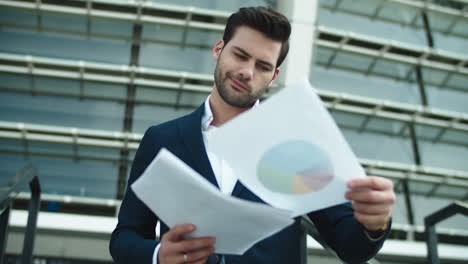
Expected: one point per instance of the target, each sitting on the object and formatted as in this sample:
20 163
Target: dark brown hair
265 20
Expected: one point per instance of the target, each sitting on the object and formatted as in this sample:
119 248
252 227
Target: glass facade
399 62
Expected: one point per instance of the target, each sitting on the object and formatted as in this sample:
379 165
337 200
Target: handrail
8 191
15 185
310 229
431 220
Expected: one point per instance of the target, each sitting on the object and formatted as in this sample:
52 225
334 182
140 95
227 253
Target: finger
372 209
194 244
372 182
176 233
167 253
369 196
372 222
198 255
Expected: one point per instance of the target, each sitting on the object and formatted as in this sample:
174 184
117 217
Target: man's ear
275 75
217 48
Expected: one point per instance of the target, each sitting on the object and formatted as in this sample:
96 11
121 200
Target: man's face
246 66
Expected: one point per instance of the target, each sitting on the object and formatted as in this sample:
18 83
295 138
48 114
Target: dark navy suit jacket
133 240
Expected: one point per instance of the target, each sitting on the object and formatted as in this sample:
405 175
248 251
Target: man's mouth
238 85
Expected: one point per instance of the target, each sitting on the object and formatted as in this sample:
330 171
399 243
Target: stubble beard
230 96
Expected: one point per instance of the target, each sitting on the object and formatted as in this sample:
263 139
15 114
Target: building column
302 15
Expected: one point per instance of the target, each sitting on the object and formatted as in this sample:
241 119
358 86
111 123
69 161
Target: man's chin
240 103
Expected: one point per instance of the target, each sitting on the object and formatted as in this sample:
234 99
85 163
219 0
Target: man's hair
265 20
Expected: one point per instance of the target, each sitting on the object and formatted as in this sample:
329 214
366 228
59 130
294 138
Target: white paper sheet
289 151
177 194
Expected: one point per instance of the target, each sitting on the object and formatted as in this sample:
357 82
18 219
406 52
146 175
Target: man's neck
222 112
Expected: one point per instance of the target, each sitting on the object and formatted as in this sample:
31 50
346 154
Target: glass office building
81 81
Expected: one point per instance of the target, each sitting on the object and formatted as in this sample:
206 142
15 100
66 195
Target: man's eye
240 56
264 68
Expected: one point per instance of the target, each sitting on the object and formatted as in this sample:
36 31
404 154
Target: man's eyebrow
245 53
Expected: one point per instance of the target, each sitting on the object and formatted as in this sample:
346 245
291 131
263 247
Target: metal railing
180 82
132 11
447 62
455 15
26 133
431 220
106 203
27 175
198 18
309 229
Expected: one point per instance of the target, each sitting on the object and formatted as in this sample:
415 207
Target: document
177 194
289 151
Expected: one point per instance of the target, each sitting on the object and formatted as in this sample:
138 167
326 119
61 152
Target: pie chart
295 167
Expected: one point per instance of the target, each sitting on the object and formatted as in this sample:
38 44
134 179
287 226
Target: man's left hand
372 198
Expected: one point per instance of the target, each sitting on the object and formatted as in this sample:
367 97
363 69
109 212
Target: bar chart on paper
295 167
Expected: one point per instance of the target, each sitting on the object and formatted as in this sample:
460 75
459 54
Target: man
254 45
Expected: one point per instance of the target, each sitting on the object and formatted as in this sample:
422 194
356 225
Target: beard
229 95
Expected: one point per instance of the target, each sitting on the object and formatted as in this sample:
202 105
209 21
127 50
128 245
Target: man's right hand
175 249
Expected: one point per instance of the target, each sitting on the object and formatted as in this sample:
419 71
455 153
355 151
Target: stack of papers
177 194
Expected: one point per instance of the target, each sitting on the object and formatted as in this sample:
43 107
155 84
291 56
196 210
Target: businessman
254 44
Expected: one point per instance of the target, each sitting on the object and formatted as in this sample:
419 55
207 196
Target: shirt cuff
155 254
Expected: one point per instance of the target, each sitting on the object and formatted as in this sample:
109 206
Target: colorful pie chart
295 167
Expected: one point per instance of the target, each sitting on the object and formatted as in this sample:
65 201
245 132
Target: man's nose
246 71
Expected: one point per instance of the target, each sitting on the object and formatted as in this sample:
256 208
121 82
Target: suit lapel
191 134
238 189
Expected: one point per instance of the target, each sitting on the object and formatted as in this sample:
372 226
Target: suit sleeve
344 234
133 240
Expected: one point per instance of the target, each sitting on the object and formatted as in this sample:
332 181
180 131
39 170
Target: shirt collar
207 117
